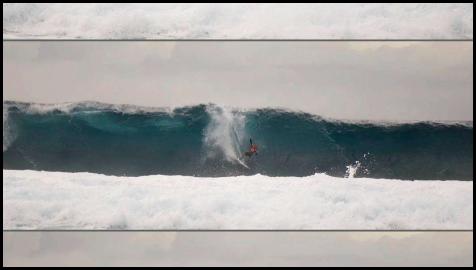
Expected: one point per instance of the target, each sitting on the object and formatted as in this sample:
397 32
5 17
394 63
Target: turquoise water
207 140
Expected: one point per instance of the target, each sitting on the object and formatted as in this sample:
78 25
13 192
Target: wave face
207 140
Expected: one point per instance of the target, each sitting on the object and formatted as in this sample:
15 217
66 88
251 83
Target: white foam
92 106
55 200
352 169
278 21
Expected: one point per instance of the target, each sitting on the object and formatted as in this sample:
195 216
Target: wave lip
55 200
209 140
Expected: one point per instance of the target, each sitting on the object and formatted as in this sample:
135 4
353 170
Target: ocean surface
209 141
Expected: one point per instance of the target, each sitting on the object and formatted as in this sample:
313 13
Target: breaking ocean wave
209 141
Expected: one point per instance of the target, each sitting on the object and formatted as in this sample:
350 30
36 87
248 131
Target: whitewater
57 200
238 21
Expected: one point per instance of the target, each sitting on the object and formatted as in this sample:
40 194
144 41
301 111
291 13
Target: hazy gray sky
346 80
238 248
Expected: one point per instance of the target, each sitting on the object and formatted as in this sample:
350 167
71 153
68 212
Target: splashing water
224 133
352 169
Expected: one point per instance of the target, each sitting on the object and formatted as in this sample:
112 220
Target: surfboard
238 150
241 162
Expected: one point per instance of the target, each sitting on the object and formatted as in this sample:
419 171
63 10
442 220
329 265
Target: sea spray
224 133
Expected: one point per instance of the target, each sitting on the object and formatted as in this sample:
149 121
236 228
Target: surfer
253 149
